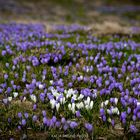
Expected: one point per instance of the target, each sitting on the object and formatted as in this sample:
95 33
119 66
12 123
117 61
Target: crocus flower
23 122
133 129
34 118
73 125
19 114
89 127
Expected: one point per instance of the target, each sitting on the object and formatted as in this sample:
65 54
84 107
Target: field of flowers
68 83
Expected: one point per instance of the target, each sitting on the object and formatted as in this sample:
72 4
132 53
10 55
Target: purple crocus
78 114
19 114
26 115
133 129
23 122
34 118
73 125
89 127
63 120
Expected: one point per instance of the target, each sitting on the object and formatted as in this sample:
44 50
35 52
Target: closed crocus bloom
26 115
69 106
34 107
54 119
89 127
64 100
134 118
45 121
81 105
15 94
106 102
65 127
104 118
5 76
63 120
33 98
44 113
9 99
20 115
19 127
78 114
52 102
57 124
123 115
57 106
116 100
128 110
3 53
88 100
73 107
23 122
133 129
73 125
9 89
113 123
81 97
40 86
91 104
34 118
102 111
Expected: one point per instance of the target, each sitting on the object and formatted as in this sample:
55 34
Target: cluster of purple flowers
69 78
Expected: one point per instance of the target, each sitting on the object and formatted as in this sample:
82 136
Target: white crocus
87 69
91 105
68 95
51 82
64 100
13 67
81 97
15 94
52 102
102 104
9 99
74 97
71 91
65 91
40 86
106 102
69 106
118 112
24 98
33 98
87 107
127 78
55 93
88 100
108 111
61 100
80 105
43 77
73 107
81 77
116 100
57 106
109 120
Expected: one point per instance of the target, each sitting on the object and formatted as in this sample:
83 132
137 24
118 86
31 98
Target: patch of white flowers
112 110
78 100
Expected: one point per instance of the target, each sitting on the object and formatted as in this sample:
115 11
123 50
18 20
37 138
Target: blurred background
97 14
